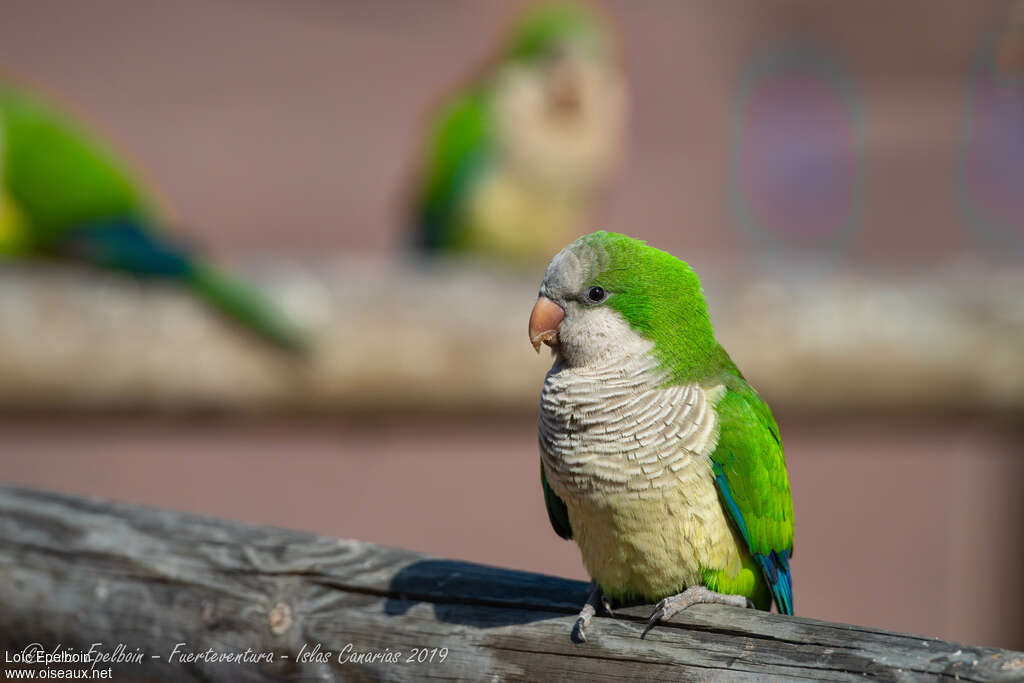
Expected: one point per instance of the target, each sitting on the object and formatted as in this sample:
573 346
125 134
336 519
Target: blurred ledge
391 336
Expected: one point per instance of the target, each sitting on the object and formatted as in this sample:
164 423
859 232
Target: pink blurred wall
908 524
272 124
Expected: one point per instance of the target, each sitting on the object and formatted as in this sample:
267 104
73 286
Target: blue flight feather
774 566
730 504
776 571
125 243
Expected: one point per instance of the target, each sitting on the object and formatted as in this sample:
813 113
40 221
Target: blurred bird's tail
246 306
125 244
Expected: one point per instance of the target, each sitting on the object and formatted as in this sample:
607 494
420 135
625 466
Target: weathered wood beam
75 572
392 336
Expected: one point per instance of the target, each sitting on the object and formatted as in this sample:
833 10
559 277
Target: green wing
557 512
62 192
459 145
54 173
750 471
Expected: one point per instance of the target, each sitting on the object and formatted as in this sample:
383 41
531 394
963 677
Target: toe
654 619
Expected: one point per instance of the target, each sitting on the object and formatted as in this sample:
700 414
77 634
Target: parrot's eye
596 295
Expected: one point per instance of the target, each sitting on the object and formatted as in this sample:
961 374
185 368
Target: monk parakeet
63 195
514 160
657 456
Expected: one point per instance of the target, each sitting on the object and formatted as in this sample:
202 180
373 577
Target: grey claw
579 633
607 605
695 595
659 612
594 600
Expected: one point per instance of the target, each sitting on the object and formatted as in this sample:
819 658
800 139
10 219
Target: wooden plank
392 336
75 572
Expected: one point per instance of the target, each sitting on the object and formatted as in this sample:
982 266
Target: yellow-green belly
509 218
11 227
632 465
650 549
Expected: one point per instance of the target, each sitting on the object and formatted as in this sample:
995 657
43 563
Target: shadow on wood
173 597
445 583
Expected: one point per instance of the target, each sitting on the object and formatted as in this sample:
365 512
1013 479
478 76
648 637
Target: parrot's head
608 298
560 98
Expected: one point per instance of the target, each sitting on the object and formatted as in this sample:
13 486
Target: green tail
245 306
126 244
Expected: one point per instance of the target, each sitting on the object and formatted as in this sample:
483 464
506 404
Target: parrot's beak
544 321
565 92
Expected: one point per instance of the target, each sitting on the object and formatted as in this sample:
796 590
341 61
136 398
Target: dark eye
596 295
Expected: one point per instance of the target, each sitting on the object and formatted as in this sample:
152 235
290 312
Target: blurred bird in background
514 161
63 195
991 171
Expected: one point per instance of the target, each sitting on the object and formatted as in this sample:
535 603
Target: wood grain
76 572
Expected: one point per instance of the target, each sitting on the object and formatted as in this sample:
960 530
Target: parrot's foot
595 600
695 595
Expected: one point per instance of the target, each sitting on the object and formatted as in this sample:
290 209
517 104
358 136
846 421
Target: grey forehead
569 271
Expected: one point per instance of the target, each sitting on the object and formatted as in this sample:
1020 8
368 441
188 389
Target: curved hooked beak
544 321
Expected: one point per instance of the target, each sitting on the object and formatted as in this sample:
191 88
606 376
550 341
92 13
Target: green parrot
64 196
515 159
657 456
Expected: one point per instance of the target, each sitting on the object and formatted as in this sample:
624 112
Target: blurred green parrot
63 195
516 158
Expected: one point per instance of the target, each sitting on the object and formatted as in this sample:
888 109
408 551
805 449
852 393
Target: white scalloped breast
610 429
